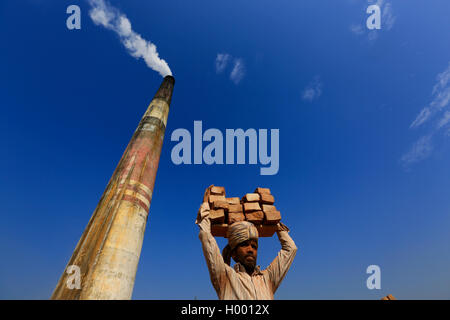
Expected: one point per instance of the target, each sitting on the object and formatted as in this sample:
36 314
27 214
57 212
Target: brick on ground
389 297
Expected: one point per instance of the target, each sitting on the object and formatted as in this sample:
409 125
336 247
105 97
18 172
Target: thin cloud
238 67
421 118
444 120
313 90
420 150
387 17
439 103
357 29
222 61
238 72
373 35
439 110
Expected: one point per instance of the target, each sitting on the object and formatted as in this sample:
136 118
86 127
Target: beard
249 264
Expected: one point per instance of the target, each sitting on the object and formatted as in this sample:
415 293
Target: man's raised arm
281 264
211 251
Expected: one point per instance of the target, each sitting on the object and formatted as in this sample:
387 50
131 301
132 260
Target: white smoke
109 17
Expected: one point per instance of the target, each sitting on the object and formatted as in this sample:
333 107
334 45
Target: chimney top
165 90
170 78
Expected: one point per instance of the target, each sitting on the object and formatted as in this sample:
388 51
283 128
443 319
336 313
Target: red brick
255 217
219 230
214 197
262 190
235 217
217 216
272 217
268 207
266 230
267 198
235 208
251 206
251 197
220 205
234 200
217 190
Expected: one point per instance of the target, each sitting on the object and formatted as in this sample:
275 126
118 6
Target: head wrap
237 233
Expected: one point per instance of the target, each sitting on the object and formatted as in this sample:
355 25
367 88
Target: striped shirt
235 283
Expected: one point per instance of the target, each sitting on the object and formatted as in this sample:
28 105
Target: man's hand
282 227
203 217
207 193
204 206
203 213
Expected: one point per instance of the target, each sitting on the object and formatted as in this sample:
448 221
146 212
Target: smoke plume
111 18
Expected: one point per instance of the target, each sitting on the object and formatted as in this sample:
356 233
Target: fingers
282 227
207 193
203 211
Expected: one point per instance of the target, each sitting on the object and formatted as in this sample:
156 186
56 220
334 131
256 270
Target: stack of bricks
257 207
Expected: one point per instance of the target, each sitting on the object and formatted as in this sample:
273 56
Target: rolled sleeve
277 270
211 251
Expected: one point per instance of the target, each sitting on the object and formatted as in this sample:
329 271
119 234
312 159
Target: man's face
245 253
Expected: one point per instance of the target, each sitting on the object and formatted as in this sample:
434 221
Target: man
245 281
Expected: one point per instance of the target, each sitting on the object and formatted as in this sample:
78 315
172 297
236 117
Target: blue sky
364 174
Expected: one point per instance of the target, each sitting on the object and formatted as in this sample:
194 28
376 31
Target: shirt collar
240 268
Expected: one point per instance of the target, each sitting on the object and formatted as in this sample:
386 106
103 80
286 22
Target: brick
266 230
251 197
255 217
214 197
251 206
235 208
272 217
262 190
234 200
268 207
267 198
235 217
217 190
219 230
217 216
220 205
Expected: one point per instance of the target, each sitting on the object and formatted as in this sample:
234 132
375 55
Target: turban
237 233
